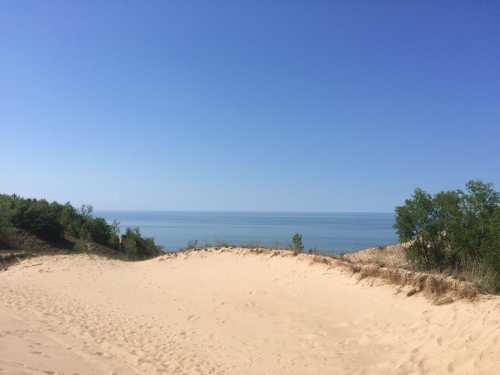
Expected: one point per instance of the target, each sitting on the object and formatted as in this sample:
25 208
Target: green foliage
137 247
453 230
297 244
97 230
5 228
115 240
52 220
35 216
70 219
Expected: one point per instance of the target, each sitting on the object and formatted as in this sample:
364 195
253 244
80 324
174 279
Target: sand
231 313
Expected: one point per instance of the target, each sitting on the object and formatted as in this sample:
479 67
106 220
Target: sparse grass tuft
481 274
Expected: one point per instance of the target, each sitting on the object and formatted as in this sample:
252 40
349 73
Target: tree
52 221
114 241
5 227
453 230
36 216
86 211
137 247
297 245
70 219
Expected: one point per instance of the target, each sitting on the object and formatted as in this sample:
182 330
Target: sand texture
231 312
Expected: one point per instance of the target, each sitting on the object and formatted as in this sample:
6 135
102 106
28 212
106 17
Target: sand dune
231 313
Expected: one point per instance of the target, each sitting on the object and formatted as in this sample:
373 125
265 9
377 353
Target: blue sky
242 105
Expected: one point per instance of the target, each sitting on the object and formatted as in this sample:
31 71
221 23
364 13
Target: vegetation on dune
5 228
137 247
454 231
297 245
52 221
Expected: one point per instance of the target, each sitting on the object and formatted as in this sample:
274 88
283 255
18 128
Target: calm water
324 231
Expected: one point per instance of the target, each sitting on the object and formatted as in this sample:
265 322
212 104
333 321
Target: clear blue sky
244 105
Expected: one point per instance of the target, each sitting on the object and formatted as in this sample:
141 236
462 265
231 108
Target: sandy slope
230 313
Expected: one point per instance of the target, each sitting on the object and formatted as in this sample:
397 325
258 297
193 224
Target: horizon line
243 211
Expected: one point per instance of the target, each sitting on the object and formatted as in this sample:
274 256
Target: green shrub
35 216
5 228
70 219
97 230
137 247
52 220
453 230
297 245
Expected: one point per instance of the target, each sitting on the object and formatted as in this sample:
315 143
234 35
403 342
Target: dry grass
433 285
481 274
386 256
7 258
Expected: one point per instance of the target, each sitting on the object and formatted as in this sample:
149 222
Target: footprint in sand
451 367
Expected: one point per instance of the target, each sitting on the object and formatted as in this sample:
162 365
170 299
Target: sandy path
227 313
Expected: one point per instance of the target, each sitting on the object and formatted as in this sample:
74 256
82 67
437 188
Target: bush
454 231
70 219
137 247
97 230
5 228
52 220
35 216
297 245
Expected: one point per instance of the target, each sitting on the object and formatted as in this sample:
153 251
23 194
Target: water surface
325 231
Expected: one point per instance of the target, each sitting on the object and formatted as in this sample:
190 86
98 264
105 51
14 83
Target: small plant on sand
297 245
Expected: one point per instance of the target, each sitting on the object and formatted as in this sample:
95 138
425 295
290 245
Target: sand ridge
230 312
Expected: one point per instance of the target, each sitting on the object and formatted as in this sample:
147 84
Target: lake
335 232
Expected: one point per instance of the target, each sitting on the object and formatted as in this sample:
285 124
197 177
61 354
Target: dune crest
231 312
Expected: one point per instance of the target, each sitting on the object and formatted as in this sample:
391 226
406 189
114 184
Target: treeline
454 231
51 221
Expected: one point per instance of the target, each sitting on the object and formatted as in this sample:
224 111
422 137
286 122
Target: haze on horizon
289 106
